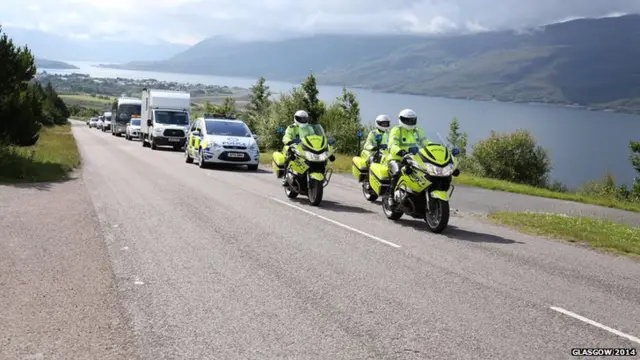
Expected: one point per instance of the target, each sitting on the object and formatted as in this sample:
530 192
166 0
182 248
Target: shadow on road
334 206
454 232
460 234
236 168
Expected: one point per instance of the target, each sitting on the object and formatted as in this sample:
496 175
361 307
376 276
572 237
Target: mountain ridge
589 62
51 46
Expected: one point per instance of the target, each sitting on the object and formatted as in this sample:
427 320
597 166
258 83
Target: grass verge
597 233
52 158
343 164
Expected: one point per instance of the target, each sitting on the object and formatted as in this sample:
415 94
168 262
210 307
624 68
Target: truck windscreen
171 118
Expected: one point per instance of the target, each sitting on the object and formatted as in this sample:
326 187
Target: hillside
587 62
52 64
51 46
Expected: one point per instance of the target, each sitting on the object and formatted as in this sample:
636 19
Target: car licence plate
174 140
235 155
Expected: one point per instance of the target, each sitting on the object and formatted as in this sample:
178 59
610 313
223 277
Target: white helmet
408 119
383 123
301 117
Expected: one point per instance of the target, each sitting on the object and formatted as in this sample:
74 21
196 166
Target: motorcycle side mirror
455 151
332 141
280 130
378 138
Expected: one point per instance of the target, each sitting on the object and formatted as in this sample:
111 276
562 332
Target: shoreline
591 108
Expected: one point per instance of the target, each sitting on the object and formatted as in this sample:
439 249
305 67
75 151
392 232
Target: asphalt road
219 264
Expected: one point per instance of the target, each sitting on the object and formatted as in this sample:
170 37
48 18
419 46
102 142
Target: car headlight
216 146
316 157
158 130
253 146
434 170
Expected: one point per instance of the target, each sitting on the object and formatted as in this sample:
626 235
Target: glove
414 150
296 141
402 153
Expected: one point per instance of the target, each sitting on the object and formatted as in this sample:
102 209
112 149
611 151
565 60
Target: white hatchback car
133 129
219 140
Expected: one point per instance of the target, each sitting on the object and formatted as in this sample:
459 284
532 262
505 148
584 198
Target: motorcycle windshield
311 130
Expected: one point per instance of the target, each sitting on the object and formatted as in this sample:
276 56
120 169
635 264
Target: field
86 100
53 158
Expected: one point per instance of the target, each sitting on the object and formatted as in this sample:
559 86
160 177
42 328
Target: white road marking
124 248
337 223
138 282
596 324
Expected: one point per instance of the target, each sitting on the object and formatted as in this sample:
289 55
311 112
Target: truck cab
165 118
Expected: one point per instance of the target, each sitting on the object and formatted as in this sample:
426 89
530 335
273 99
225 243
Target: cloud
189 21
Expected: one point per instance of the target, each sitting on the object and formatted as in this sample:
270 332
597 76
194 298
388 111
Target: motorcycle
360 167
424 187
304 164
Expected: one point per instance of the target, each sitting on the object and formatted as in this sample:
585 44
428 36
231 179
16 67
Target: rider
292 134
403 137
383 123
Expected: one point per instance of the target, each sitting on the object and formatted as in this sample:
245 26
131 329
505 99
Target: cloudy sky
188 21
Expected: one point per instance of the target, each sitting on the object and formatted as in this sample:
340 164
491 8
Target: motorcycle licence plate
235 155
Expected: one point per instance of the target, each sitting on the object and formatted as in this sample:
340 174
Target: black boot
392 186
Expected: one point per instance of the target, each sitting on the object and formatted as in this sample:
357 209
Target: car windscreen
135 122
126 110
171 117
227 128
107 118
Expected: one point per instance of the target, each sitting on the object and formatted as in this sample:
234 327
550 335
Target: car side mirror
255 136
149 123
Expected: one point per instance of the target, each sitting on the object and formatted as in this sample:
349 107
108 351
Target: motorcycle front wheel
437 218
315 192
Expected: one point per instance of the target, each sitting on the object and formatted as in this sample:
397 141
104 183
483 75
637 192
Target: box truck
165 118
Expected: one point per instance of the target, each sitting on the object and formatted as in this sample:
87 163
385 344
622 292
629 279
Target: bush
513 157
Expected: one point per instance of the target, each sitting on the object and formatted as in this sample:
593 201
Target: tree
456 138
514 157
312 104
228 106
634 158
259 99
19 106
342 120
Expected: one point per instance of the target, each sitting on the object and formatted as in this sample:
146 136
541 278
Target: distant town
110 87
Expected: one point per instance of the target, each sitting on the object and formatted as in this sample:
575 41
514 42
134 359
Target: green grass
86 100
343 164
596 233
52 158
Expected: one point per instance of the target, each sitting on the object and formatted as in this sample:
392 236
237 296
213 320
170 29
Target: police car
221 139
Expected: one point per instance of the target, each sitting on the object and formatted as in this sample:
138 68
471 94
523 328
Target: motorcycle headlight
434 170
316 157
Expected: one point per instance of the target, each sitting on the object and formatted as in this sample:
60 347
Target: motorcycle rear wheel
388 211
437 218
368 193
